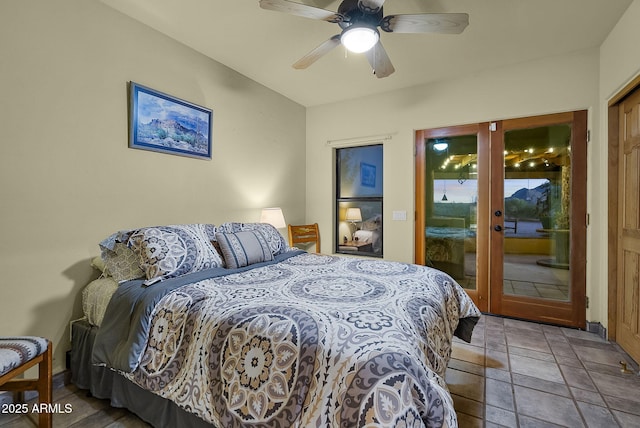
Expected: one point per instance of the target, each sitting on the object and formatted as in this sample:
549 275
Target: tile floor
519 269
522 374
513 374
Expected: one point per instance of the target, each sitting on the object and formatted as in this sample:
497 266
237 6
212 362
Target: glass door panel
538 212
451 206
537 203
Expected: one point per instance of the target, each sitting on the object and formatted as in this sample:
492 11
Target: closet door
628 254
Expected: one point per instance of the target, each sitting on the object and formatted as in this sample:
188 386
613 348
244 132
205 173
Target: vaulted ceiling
263 45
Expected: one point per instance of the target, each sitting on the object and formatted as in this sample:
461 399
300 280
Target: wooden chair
17 355
303 234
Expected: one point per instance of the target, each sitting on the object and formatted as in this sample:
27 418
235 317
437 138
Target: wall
549 85
619 64
67 177
619 54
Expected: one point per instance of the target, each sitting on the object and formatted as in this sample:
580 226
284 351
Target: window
359 200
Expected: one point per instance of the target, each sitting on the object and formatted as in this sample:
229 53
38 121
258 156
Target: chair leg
18 396
45 388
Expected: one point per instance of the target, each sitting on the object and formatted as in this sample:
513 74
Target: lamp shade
359 38
353 214
274 217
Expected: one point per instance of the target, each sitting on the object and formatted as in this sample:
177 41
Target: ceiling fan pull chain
375 51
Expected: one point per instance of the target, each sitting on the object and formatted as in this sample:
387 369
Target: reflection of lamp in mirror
274 217
352 216
444 191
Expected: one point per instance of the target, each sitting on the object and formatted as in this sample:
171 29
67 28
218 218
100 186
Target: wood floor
512 374
85 412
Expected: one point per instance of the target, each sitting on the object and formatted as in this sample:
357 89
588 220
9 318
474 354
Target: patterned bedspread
313 341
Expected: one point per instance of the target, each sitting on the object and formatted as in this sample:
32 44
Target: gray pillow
276 241
244 248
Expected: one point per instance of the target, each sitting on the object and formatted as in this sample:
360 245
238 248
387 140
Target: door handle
497 228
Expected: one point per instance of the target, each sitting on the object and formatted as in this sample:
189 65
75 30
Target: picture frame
163 123
367 175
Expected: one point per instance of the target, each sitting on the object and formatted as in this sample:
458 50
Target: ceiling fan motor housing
354 15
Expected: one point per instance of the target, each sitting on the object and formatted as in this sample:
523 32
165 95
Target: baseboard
597 328
58 380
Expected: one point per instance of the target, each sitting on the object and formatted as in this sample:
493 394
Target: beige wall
548 85
619 64
67 178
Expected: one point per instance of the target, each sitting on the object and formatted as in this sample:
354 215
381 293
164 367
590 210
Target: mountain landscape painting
163 123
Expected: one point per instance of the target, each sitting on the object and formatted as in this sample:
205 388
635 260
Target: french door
501 207
452 193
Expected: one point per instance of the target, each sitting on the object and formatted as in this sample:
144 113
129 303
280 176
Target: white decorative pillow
244 248
122 264
170 251
364 236
373 223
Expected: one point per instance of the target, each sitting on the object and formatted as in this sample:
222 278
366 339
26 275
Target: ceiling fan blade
380 61
322 3
370 6
303 10
317 53
447 23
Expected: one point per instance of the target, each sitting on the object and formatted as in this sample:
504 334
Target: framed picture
166 124
367 175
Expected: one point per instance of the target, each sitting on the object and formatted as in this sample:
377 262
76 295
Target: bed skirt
107 384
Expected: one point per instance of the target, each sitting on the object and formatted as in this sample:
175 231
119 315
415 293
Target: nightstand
365 247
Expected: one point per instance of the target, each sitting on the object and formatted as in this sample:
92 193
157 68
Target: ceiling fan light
359 39
441 146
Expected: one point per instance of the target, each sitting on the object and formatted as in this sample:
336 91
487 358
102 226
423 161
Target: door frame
572 313
613 133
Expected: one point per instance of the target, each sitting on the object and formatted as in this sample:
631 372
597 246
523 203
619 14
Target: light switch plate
400 215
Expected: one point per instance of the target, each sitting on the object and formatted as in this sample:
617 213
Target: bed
445 244
268 335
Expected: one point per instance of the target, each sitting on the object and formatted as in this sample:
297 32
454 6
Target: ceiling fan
359 20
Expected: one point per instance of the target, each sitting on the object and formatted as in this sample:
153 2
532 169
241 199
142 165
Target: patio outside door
503 212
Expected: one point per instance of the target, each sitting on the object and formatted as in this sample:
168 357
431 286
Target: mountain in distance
530 195
172 134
